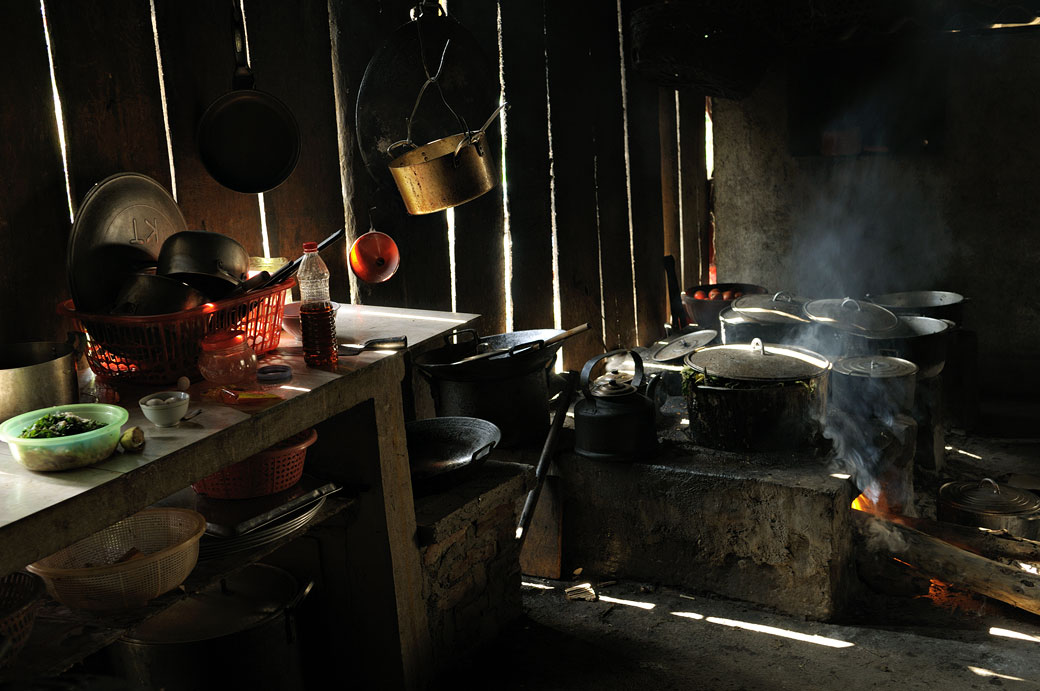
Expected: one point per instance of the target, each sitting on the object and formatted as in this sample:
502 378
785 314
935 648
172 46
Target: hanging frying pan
248 140
467 80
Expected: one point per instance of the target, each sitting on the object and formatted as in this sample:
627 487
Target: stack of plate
213 547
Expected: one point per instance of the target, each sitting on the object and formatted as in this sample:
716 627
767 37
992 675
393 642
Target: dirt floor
905 632
658 638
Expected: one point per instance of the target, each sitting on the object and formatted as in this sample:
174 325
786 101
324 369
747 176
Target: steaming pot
614 421
873 385
755 396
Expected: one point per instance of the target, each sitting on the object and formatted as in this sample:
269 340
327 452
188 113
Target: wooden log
949 564
992 544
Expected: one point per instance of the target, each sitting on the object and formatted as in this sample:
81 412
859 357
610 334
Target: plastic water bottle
317 318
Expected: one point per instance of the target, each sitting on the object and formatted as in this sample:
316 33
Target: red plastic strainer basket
160 348
268 472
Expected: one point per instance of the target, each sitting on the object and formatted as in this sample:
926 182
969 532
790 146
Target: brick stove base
470 559
772 529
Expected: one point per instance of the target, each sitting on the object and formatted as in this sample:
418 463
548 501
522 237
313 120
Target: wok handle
548 451
481 453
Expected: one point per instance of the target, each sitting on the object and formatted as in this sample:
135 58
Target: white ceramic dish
165 408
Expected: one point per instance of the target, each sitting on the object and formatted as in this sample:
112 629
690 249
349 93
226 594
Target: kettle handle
637 377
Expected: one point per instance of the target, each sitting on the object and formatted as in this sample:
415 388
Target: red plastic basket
268 472
158 349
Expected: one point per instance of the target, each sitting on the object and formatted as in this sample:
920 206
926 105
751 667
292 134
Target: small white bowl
165 408
291 318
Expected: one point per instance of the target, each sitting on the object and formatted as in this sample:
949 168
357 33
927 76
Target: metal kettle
614 421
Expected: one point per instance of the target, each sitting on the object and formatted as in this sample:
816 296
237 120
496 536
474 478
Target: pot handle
637 377
475 137
290 611
458 335
481 453
243 77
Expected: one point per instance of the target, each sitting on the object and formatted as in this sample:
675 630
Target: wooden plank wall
592 174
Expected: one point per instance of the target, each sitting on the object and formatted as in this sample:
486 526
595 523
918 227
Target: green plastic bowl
73 451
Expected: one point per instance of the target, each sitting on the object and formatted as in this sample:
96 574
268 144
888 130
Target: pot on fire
873 385
755 396
614 421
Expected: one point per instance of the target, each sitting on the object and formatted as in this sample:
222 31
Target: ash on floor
644 637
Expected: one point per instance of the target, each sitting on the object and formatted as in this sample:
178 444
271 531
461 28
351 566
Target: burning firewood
992 544
950 564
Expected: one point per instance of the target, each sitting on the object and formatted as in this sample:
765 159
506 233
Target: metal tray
118 230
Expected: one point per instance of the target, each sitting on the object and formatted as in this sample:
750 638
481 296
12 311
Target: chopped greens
59 425
691 377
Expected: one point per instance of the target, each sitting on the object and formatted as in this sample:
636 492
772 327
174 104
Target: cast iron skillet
248 140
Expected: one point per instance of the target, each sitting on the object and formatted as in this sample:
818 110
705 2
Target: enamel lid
875 366
778 308
989 497
856 316
757 361
687 343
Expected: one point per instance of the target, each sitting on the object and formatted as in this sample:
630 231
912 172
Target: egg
183 383
171 399
154 401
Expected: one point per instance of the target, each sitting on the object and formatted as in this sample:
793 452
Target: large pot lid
875 366
989 498
778 308
917 299
757 361
856 316
684 344
119 228
252 595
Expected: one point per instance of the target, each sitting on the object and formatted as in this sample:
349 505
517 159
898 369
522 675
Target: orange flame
861 503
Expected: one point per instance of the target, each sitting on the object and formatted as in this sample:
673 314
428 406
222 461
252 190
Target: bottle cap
310 247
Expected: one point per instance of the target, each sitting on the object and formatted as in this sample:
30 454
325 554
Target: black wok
443 449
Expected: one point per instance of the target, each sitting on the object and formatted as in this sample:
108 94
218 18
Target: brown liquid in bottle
318 326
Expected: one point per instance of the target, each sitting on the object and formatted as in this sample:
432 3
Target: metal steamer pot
614 421
236 634
509 389
938 304
862 328
36 375
756 396
872 385
988 504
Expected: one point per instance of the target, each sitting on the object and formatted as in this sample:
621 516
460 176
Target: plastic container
73 451
19 597
317 315
126 564
268 472
226 358
161 348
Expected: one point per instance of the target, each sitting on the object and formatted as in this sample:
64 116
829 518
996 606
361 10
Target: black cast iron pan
248 140
443 450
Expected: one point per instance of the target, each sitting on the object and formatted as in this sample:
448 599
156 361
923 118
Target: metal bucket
36 375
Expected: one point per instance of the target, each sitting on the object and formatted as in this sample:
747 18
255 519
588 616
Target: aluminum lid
856 316
685 344
875 366
778 308
989 497
757 361
118 230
